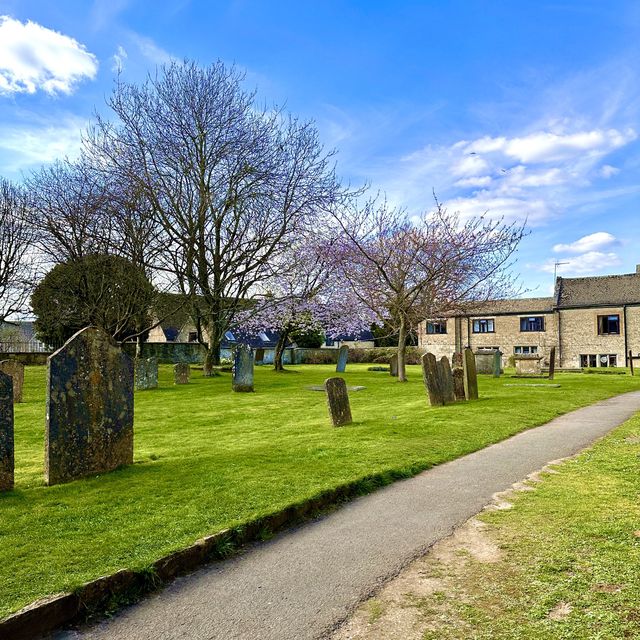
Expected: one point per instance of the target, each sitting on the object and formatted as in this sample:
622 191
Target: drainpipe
626 340
559 339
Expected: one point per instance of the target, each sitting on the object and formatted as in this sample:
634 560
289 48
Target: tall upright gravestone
458 376
446 380
338 401
343 355
431 378
552 363
6 432
14 369
393 365
89 424
497 363
470 376
146 373
242 379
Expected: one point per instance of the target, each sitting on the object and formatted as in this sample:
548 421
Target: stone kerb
89 423
6 432
338 401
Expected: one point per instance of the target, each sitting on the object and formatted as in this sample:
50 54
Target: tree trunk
282 342
212 357
402 349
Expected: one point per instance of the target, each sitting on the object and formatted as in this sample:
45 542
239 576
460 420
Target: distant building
592 322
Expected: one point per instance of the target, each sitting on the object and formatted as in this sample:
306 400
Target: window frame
525 324
600 322
479 322
433 324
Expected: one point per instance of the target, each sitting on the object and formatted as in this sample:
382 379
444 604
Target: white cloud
34 58
607 171
475 181
150 50
119 58
593 242
592 262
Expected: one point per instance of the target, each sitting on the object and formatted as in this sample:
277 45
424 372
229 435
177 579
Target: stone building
592 322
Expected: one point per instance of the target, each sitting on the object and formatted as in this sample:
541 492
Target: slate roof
598 291
515 305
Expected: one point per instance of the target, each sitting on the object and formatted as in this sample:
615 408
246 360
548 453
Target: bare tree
406 270
16 249
229 183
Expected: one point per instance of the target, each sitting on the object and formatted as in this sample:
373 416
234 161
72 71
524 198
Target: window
602 360
439 326
488 348
193 336
535 323
526 350
608 325
229 336
483 326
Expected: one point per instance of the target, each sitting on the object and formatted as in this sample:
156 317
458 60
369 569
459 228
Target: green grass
208 459
573 541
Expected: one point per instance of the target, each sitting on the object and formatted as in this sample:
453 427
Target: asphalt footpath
303 583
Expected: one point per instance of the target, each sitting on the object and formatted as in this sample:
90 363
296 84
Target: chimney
638 268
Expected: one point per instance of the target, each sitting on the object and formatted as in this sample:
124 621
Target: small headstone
146 373
242 379
393 365
207 368
14 369
6 432
469 375
446 380
343 355
497 364
338 401
552 363
432 380
458 376
89 425
181 373
260 356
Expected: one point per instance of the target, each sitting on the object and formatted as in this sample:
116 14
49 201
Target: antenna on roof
556 264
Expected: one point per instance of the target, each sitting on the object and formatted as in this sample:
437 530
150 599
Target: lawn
207 459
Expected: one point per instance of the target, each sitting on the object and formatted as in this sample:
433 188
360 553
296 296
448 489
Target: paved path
302 584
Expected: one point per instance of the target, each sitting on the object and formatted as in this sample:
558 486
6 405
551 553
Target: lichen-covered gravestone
242 379
497 364
338 401
458 376
393 365
89 424
6 432
469 375
343 355
181 373
432 379
14 369
446 380
146 373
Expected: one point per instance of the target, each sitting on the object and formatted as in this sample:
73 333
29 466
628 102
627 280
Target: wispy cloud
34 58
589 263
150 50
593 242
119 59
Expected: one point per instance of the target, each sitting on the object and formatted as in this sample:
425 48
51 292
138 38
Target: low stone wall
169 352
27 358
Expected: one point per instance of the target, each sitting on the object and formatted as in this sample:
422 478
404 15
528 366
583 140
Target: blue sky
522 109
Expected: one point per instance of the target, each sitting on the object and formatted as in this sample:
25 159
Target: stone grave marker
393 365
343 355
181 373
14 369
432 379
146 373
469 377
338 401
552 363
6 432
458 376
446 380
484 361
242 378
89 425
259 356
528 365
497 364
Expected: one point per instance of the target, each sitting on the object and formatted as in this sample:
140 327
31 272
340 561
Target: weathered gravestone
552 363
6 432
393 365
146 373
528 365
14 369
260 356
338 401
497 364
432 379
446 380
343 355
181 373
469 377
89 425
242 379
484 360
458 376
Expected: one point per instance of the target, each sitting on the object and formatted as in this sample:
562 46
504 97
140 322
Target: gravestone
14 369
528 365
260 356
469 377
89 425
552 363
497 364
432 379
181 373
393 365
207 368
484 361
146 373
458 376
338 401
446 380
242 379
6 432
343 355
